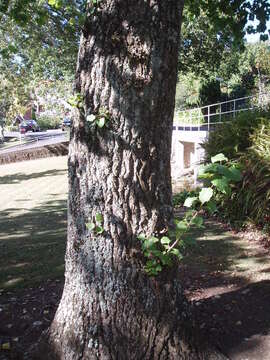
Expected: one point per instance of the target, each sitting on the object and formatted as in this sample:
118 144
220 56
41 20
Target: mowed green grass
33 212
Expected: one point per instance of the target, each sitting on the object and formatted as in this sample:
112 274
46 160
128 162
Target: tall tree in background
119 179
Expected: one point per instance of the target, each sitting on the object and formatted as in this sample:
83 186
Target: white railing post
208 117
234 105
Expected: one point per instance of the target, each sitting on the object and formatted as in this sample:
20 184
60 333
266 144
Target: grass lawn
11 142
33 221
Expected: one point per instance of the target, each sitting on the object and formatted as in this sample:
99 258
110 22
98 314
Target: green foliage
46 122
97 225
200 45
247 141
187 91
240 73
99 120
179 199
209 92
234 138
164 251
253 198
76 101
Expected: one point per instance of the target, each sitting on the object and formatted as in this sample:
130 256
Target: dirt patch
60 149
23 317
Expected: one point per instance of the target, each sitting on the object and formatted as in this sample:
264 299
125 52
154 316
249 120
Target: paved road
34 140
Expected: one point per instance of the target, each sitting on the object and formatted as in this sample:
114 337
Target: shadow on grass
32 244
231 306
19 177
241 318
213 249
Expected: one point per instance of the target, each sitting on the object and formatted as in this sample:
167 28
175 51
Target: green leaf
90 226
99 230
181 225
101 122
90 118
205 195
165 259
189 214
141 237
197 221
235 174
150 243
156 253
176 252
211 206
52 2
218 157
222 185
189 201
165 240
99 218
223 170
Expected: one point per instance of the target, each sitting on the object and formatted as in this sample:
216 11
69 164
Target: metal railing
206 117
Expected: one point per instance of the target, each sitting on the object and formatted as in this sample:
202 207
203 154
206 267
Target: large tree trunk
110 309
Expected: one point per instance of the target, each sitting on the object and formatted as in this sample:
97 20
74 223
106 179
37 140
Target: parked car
28 125
66 123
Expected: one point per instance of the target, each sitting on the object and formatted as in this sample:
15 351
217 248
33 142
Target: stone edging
59 149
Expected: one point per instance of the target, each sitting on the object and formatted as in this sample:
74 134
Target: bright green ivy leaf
90 118
90 226
101 122
205 195
150 243
141 237
180 225
165 240
99 230
99 218
190 201
218 157
197 221
235 174
211 206
177 253
222 185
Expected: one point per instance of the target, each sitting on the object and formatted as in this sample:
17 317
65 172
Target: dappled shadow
32 243
19 177
236 319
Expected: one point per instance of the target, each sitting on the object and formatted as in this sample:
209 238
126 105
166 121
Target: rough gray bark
110 309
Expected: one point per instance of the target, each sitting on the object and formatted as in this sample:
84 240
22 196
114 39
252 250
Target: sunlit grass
33 221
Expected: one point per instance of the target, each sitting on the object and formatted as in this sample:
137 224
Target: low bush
247 141
234 138
48 122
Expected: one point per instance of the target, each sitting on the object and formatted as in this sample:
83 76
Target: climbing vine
218 177
99 120
96 226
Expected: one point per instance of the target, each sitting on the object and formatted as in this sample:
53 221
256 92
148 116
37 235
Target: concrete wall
187 152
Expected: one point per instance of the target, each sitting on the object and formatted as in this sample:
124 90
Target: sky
256 37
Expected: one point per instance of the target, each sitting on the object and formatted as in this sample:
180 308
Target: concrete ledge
59 149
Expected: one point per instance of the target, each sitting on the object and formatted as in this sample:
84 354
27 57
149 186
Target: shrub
247 141
255 192
209 92
234 138
48 122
